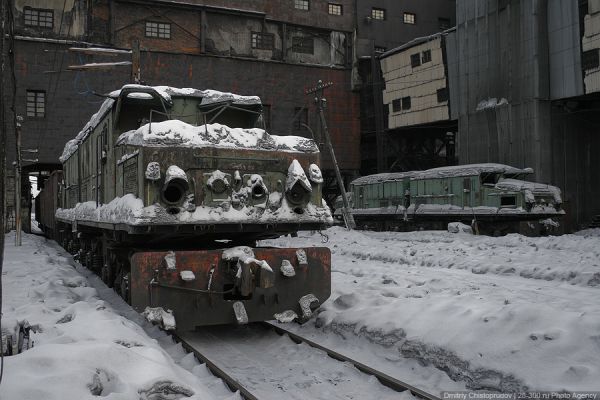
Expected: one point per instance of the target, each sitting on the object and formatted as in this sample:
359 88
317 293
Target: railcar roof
166 92
443 172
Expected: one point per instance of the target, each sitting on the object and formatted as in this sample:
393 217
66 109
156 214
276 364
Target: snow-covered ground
88 342
438 310
448 311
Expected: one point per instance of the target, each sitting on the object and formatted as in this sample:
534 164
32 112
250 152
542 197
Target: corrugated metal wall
527 52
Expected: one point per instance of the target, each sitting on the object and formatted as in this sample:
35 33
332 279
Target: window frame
425 56
158 30
415 60
39 13
257 40
32 105
409 18
302 5
331 7
378 14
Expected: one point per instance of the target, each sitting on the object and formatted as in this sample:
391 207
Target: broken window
442 95
159 30
378 13
36 103
444 23
410 18
396 105
426 56
335 9
302 4
415 60
406 103
300 118
590 59
303 45
38 17
263 41
507 201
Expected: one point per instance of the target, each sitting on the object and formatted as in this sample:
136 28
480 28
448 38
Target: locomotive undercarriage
203 287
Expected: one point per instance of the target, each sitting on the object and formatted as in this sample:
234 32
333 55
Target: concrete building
273 49
382 25
527 92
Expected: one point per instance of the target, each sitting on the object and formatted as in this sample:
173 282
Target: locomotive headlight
176 185
297 187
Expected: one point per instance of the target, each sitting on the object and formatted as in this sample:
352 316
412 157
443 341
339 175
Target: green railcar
492 197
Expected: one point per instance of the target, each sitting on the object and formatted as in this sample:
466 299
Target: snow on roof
208 96
469 170
442 172
166 92
181 134
534 187
72 145
384 177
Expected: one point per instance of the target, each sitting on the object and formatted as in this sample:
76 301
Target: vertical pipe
18 186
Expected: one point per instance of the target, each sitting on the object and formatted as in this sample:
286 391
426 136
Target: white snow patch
296 174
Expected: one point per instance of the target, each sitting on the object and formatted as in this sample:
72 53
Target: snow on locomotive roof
442 172
166 92
208 96
181 134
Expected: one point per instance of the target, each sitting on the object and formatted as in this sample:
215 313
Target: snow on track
502 314
83 348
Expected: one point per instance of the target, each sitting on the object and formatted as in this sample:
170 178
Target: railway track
243 358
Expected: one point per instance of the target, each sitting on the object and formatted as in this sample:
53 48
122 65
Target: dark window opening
442 95
444 23
506 201
263 41
300 118
36 103
590 59
489 179
415 60
396 105
406 103
158 30
303 45
426 56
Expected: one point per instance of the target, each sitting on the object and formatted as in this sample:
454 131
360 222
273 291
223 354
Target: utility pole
377 87
2 160
18 166
321 103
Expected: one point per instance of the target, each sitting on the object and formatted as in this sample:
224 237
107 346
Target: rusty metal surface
208 299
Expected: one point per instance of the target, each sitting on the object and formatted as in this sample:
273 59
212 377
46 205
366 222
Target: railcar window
507 201
489 179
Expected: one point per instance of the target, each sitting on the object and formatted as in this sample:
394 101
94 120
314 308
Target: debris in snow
166 390
170 261
459 227
301 255
549 222
286 316
157 315
296 175
187 276
153 171
287 269
314 173
182 134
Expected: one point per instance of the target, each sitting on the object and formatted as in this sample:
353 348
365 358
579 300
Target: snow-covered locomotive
166 191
